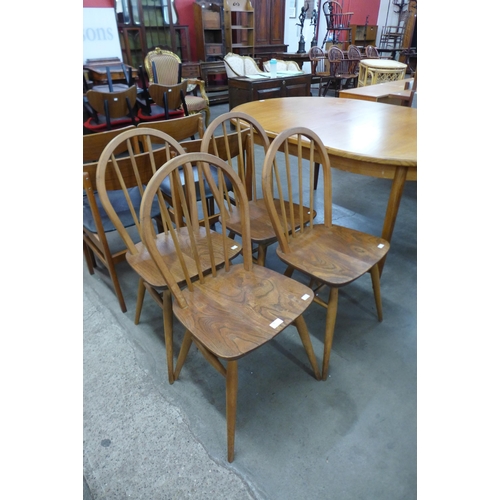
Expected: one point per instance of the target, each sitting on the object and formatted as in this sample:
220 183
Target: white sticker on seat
277 322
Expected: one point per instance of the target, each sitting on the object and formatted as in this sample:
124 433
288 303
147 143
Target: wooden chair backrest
167 67
135 170
116 101
354 56
288 176
170 95
94 144
179 129
317 57
216 247
372 52
338 65
334 15
237 148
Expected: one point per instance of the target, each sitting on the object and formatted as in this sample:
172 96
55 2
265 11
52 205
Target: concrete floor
352 436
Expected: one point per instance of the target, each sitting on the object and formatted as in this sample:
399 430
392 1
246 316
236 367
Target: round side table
372 71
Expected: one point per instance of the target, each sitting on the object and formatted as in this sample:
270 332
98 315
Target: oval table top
368 138
382 63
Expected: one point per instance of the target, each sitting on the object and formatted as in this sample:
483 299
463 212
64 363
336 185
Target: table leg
393 207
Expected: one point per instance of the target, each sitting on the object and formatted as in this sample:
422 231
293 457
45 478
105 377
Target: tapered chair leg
289 271
231 397
141 290
331 316
306 342
186 345
375 273
89 258
168 321
261 255
116 285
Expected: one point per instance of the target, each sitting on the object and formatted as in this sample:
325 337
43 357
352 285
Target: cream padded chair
283 66
237 65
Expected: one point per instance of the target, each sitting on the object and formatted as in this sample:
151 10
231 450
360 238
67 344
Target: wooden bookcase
146 24
209 25
239 27
364 34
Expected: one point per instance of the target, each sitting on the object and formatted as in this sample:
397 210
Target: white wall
386 16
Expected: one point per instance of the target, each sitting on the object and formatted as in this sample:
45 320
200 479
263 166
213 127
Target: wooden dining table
366 138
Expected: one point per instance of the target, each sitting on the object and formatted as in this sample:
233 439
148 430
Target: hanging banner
100 34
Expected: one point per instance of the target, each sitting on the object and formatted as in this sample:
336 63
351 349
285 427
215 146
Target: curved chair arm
197 83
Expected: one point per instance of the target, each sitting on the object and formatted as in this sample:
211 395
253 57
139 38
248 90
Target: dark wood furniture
300 59
213 73
146 24
239 26
364 34
269 28
209 27
245 89
268 31
101 70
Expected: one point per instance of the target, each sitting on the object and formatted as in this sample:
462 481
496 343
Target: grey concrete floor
352 436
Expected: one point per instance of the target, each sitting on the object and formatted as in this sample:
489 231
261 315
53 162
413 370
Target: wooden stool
372 71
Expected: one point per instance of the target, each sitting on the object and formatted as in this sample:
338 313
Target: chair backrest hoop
312 149
186 163
134 170
246 158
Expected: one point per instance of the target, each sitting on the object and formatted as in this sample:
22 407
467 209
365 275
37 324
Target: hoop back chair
96 224
339 70
240 153
354 56
372 52
319 71
165 67
337 22
111 110
135 171
330 255
230 311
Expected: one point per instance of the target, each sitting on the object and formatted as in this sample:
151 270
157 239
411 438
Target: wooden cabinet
243 89
363 34
239 26
213 73
146 24
269 28
209 26
269 22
